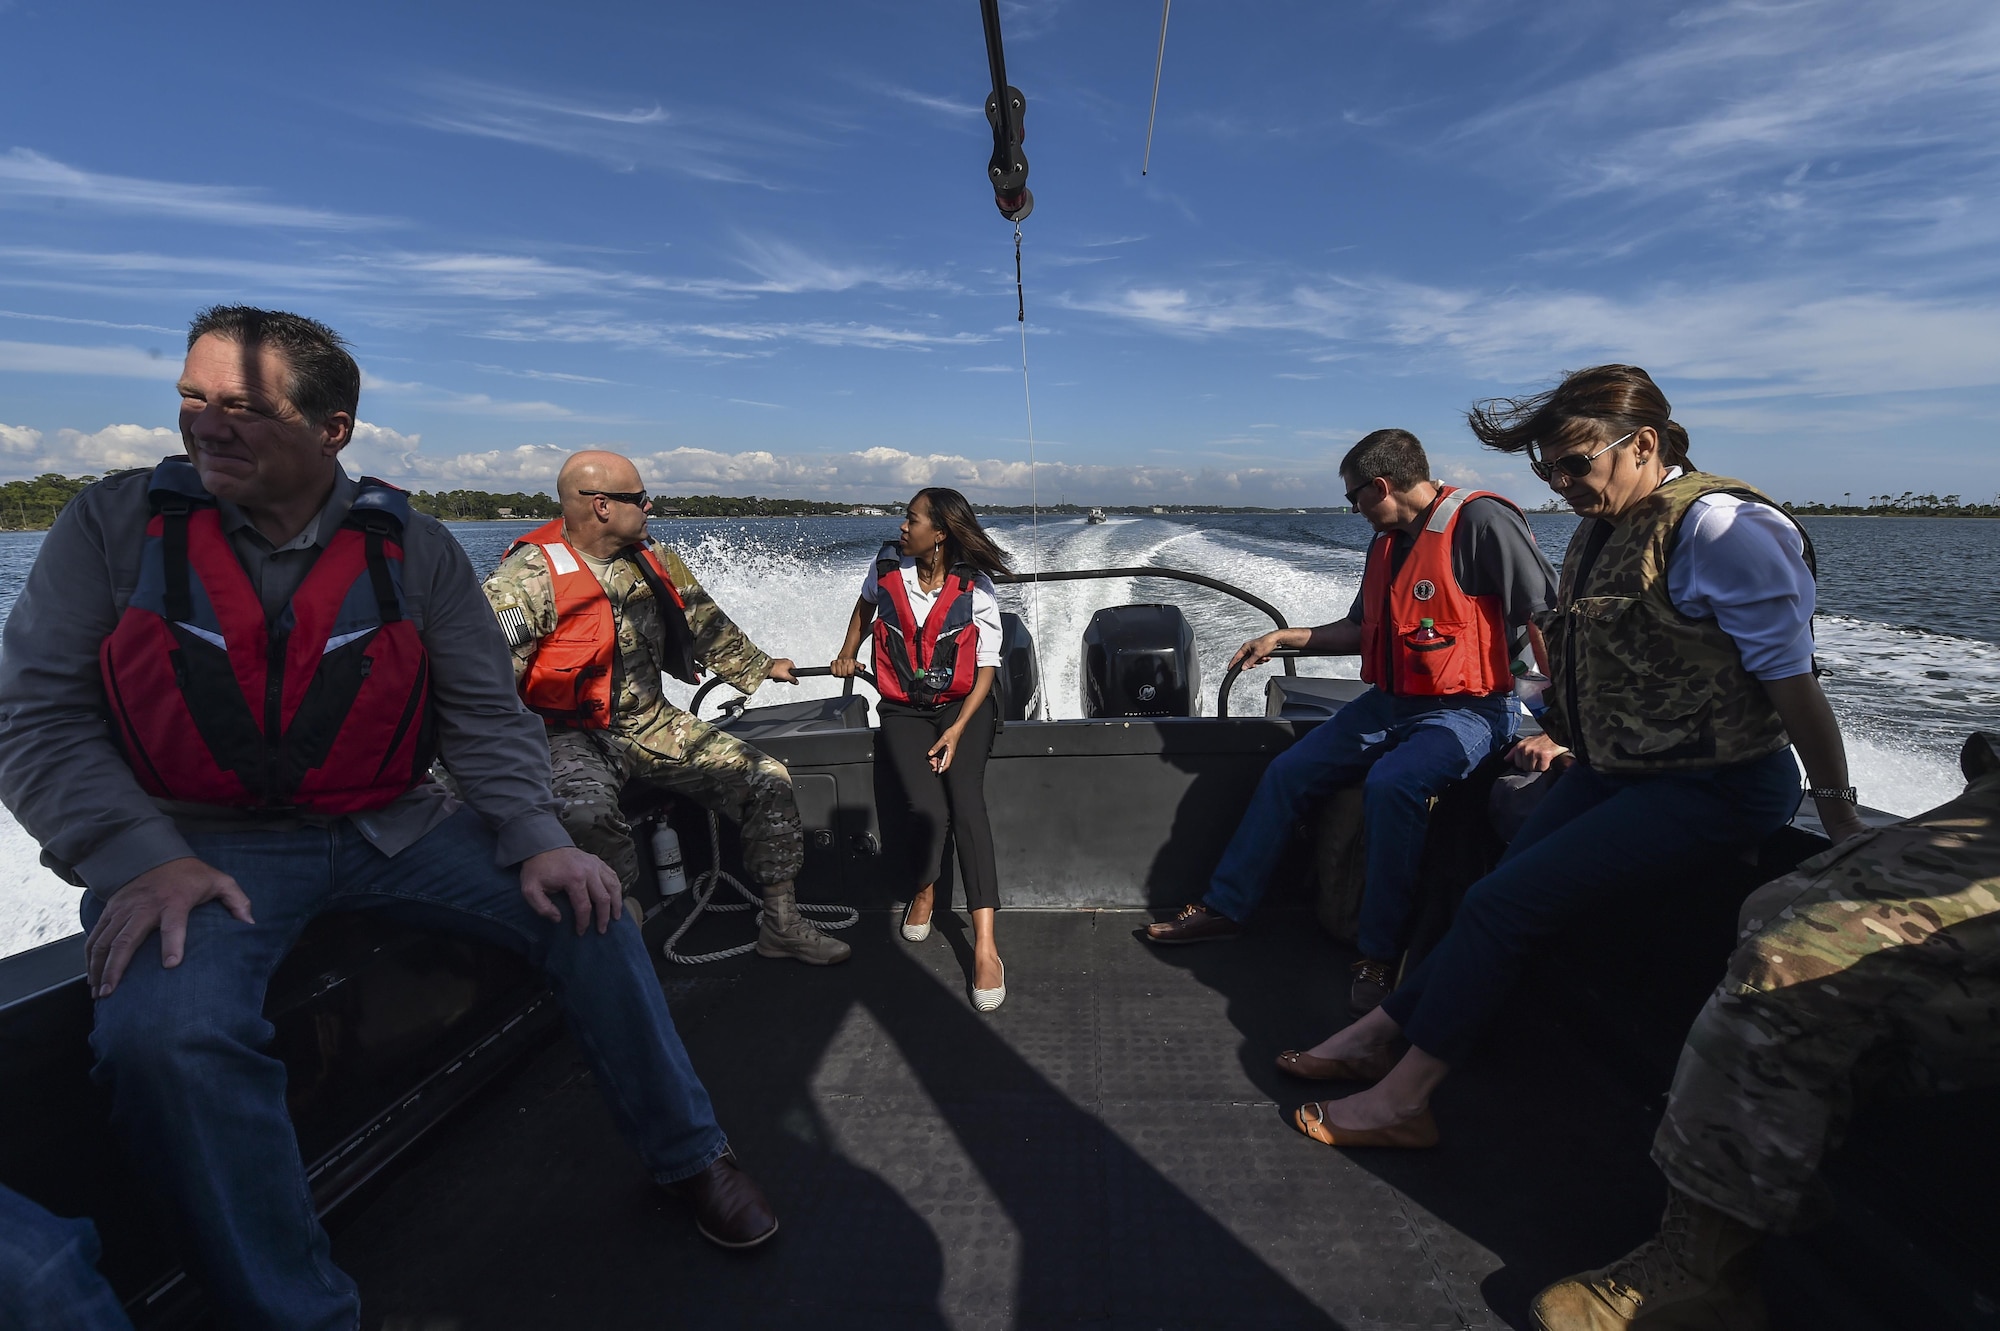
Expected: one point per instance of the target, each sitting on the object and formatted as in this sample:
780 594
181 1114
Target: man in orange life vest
595 612
1451 580
220 694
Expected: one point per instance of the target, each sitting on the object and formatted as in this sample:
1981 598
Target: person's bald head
593 518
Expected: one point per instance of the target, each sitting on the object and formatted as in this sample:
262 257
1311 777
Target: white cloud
1788 334
28 452
115 362
26 174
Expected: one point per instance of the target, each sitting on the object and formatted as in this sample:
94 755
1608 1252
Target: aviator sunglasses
1576 466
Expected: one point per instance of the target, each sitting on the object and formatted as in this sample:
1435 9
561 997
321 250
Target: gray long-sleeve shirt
64 777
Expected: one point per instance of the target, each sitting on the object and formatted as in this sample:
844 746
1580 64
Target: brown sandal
1414 1134
1308 1067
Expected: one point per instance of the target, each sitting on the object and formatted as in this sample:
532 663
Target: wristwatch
1846 794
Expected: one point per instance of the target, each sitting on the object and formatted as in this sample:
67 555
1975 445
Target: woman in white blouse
936 652
1680 660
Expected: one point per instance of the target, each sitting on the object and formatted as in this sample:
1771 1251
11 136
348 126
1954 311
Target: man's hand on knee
160 898
588 882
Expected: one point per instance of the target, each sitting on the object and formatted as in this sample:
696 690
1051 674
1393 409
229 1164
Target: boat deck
1109 1149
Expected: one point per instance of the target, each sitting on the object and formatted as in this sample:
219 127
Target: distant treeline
33 505
1906 505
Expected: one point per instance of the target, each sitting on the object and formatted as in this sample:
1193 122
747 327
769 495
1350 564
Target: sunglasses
1576 466
636 498
1356 491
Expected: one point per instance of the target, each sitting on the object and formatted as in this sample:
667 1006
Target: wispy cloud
780 267
718 145
112 362
734 339
91 323
945 106
26 174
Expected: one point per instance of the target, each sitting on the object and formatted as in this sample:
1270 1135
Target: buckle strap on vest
174 548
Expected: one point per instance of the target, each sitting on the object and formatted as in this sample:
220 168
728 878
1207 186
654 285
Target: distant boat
1095 516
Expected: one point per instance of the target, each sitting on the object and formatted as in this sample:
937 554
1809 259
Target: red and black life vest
931 664
1466 649
568 683
325 710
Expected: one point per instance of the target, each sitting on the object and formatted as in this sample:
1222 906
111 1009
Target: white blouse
1742 564
985 606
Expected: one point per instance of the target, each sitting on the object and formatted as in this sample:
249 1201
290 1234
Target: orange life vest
1465 649
569 681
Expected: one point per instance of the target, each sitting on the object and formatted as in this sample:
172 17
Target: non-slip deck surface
1109 1149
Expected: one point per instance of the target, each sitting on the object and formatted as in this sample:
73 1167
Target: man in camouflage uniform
646 738
1877 961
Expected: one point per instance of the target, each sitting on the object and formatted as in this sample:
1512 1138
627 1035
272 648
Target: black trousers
954 800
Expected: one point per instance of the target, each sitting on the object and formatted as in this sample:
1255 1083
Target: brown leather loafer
1415 1133
729 1207
1195 924
1307 1067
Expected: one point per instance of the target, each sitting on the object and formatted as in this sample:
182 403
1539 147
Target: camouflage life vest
1635 685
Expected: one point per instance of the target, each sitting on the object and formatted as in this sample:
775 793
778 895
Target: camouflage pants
1874 968
716 771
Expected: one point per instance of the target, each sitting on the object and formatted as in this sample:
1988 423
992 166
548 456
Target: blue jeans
1596 837
48 1273
200 1105
1407 749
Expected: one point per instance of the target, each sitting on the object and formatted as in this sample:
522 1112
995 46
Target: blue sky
752 244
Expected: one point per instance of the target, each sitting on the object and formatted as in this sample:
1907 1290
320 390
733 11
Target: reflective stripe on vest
1465 651
326 709
568 683
931 664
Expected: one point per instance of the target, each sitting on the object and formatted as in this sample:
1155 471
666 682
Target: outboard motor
1018 680
1138 660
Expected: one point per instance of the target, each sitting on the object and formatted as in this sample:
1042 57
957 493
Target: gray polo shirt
64 777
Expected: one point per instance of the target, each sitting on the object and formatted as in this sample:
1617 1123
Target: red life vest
569 681
927 665
1465 651
326 710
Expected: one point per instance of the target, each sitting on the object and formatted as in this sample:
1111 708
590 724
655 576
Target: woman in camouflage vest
1680 656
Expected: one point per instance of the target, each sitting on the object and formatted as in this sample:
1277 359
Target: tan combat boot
783 932
1697 1274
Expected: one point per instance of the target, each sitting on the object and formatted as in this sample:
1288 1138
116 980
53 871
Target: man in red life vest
1451 580
280 650
595 613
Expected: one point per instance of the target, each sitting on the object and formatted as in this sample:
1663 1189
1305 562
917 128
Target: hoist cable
1034 489
1159 62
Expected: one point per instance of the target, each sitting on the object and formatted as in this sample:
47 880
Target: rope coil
702 890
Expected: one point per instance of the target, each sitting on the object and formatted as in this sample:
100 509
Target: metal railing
1286 654
798 672
1277 618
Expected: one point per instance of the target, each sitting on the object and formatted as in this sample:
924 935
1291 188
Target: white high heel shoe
988 999
917 933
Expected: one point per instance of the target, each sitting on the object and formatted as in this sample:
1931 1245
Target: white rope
1034 493
703 890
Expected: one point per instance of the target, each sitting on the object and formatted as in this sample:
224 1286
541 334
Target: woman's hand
844 667
947 745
